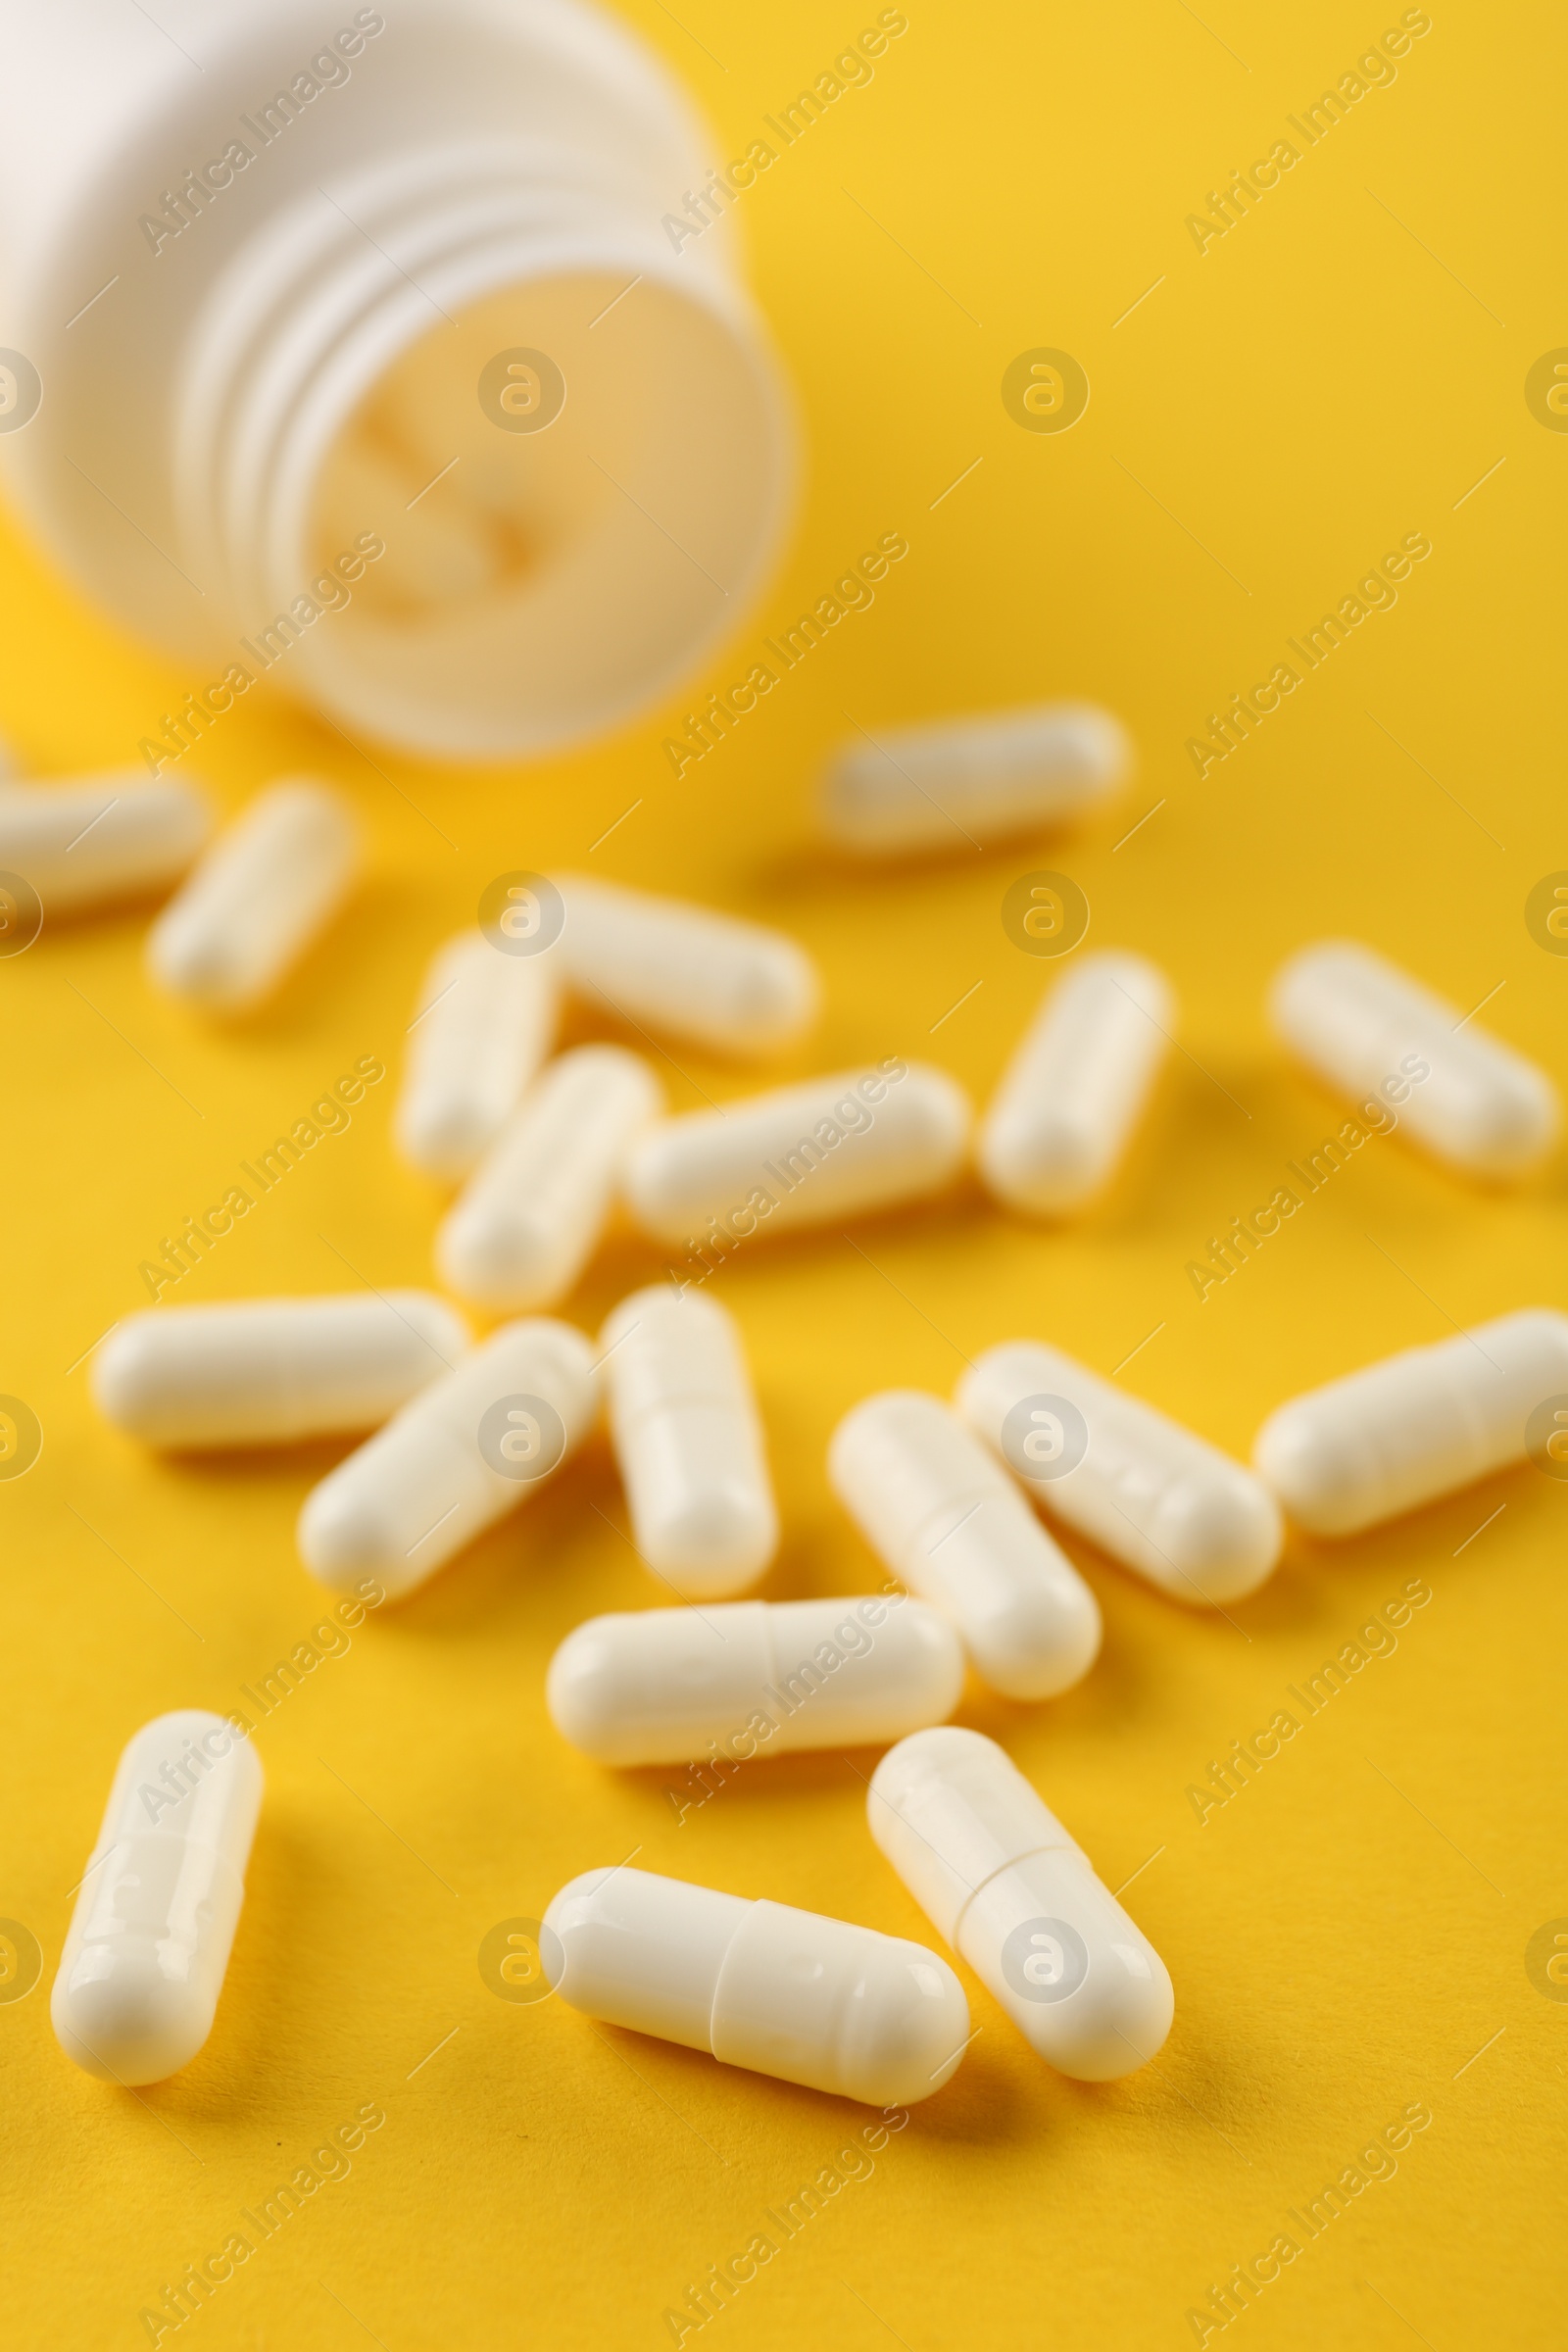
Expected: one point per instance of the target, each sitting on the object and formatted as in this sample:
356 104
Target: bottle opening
574 482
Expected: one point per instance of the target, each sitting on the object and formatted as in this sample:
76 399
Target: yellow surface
1346 1934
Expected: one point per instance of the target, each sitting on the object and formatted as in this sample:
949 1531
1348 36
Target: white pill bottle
287 282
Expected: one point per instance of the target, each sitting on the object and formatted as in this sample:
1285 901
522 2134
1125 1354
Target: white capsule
485 1025
985 778
89 844
1420 1424
1003 1883
805 1155
689 1442
732 985
149 1939
1155 1496
532 1214
752 1678
931 1501
1077 1084
258 899
466 1451
1372 1033
760 1984
269 1371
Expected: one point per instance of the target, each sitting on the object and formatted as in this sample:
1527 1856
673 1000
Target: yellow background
1346 1934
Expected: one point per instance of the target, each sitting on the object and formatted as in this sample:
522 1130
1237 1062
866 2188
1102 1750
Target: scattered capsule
831 1147
263 893
486 1025
1003 1883
933 1504
269 1371
459 1456
1372 1033
734 986
1077 1085
689 1442
1420 1424
752 1678
786 1992
149 1939
530 1217
1155 1496
982 779
90 843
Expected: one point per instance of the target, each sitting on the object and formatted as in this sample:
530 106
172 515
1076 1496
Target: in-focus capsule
985 778
1077 1085
931 1501
830 1148
258 899
461 1456
269 1371
530 1217
486 1025
1001 1880
786 1992
689 1442
753 1677
1406 1057
1419 1424
149 1939
735 986
94 840
1155 1496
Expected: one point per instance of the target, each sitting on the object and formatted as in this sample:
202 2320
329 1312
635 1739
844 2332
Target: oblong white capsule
739 986
786 1992
933 1504
1076 1085
1420 1424
830 1148
260 897
100 839
530 1217
984 778
753 1677
688 1440
149 1939
461 1456
269 1371
1375 1035
486 1024
1003 1883
1153 1495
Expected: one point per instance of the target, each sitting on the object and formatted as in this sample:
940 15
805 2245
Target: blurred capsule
89 843
982 779
720 982
1076 1085
486 1024
258 899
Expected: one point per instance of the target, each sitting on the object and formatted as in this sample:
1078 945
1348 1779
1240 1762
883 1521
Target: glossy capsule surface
1380 1038
486 1024
149 1939
738 987
532 1214
1006 1886
760 1985
933 1502
688 1440
1155 1495
1069 1099
753 1677
459 1456
270 1371
258 899
832 1147
1398 1434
